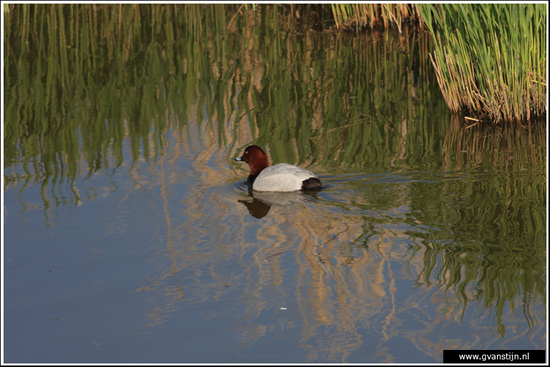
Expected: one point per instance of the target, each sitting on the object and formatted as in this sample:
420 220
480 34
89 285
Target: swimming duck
282 177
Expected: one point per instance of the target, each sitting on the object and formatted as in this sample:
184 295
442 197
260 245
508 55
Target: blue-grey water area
130 235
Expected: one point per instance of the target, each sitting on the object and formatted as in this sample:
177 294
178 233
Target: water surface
130 236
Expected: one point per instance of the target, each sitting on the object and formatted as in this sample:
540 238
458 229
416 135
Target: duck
282 177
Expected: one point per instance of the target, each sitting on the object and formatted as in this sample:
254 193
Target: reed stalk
358 16
490 58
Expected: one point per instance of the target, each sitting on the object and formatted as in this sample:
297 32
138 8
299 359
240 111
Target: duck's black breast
250 180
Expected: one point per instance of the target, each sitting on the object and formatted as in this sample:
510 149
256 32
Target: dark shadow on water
262 202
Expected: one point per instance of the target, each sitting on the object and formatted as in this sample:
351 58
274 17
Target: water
129 235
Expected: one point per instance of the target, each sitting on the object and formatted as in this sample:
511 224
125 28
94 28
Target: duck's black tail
312 183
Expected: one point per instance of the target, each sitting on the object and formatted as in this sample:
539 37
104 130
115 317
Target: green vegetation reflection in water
274 85
82 81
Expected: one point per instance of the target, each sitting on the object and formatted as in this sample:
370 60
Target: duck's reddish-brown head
256 159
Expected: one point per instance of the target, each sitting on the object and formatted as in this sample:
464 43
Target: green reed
490 59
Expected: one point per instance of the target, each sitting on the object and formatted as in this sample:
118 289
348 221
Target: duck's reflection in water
262 202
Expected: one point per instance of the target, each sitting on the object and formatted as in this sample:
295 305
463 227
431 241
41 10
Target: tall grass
357 16
490 59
